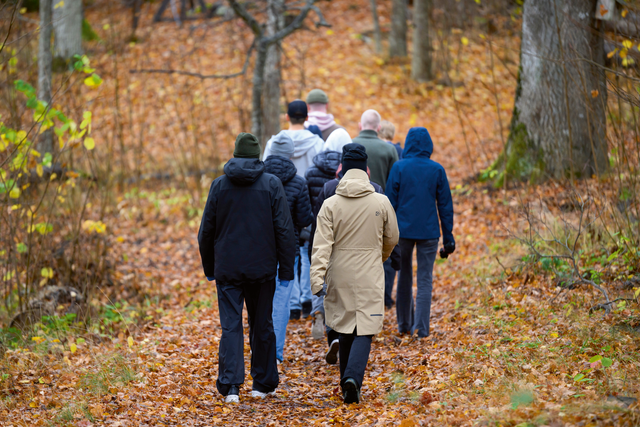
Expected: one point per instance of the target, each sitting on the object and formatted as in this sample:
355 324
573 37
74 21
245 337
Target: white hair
370 120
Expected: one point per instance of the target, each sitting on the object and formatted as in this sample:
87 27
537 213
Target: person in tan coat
356 232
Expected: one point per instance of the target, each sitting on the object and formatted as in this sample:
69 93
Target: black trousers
259 300
354 355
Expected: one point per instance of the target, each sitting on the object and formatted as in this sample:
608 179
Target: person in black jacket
295 187
245 235
324 169
328 190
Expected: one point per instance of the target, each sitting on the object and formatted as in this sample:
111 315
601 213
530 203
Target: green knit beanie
247 146
317 96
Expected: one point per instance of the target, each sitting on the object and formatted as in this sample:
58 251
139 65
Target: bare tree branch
242 12
199 75
297 22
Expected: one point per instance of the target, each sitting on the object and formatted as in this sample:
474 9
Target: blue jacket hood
244 171
417 144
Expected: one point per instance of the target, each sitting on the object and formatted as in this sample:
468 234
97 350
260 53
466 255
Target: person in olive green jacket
381 155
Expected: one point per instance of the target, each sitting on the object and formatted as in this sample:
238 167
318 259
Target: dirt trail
499 352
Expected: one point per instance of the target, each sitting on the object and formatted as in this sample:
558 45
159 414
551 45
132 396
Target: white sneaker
261 395
234 395
332 354
232 398
317 329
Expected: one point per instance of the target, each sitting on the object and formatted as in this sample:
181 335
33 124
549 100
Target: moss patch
520 161
88 34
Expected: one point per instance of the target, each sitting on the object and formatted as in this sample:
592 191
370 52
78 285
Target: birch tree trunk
398 36
271 95
558 123
377 35
45 143
67 26
421 63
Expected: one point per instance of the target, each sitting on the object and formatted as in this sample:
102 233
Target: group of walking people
320 227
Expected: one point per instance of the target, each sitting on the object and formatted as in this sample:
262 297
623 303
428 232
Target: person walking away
306 147
295 188
387 133
356 232
338 139
324 169
382 156
245 234
329 189
419 192
318 102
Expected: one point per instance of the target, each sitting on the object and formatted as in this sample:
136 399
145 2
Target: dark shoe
294 315
306 309
350 391
234 395
332 354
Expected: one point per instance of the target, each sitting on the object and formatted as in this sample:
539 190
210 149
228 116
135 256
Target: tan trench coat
356 232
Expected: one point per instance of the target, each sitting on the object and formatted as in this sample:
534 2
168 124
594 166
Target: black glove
447 249
322 293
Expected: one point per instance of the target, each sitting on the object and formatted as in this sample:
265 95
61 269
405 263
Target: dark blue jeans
389 279
415 319
259 300
354 355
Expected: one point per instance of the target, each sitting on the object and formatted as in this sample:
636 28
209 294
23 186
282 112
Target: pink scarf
322 120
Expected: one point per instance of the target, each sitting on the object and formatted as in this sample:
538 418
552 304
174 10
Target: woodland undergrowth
522 332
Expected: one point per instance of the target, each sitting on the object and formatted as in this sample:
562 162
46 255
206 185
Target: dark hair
296 121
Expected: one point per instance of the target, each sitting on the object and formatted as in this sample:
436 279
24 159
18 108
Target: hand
448 249
285 283
211 279
322 293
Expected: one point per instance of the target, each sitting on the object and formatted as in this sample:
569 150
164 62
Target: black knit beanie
247 146
354 156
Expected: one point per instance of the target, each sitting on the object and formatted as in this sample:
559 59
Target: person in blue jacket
418 190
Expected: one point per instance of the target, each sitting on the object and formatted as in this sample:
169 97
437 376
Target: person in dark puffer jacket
295 188
324 169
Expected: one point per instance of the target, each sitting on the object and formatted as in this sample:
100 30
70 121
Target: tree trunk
135 17
271 95
45 144
377 35
421 64
558 124
256 94
398 36
67 26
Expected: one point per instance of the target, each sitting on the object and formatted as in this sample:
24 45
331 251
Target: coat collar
368 133
355 183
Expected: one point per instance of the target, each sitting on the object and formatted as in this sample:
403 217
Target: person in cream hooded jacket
356 231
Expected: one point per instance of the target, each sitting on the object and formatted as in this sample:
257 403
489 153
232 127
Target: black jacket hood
281 167
328 161
244 171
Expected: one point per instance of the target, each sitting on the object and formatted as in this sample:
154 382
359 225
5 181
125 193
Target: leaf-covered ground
507 348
